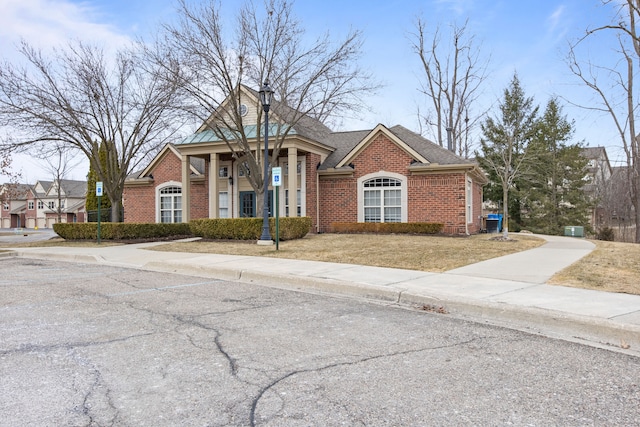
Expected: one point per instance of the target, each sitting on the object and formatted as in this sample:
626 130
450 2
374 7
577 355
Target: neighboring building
597 185
14 205
376 175
41 204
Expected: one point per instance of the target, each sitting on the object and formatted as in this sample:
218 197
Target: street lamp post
265 98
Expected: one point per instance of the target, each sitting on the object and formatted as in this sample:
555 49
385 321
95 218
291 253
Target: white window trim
159 188
404 197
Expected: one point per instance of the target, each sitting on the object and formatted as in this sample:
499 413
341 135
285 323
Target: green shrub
120 231
291 228
388 227
606 234
219 229
249 228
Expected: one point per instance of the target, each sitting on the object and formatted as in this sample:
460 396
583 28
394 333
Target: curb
595 332
58 257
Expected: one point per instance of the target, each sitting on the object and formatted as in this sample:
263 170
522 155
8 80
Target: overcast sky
529 37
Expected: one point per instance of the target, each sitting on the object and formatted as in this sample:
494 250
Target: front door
247 204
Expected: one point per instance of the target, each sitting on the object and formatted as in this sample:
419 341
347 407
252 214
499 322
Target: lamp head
265 95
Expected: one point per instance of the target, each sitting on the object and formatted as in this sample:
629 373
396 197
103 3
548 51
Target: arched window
382 200
170 199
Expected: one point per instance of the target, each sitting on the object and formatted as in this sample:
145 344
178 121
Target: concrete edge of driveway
596 332
57 257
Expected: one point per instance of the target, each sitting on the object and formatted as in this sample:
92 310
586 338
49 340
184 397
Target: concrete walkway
509 291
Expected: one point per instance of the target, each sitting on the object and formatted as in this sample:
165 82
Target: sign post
99 195
276 182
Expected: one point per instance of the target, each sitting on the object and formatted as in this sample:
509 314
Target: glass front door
248 204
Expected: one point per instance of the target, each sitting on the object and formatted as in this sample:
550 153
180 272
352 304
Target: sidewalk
509 291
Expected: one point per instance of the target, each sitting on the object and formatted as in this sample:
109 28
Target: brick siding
435 197
140 203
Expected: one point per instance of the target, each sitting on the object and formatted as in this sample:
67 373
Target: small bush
387 227
606 233
249 228
120 231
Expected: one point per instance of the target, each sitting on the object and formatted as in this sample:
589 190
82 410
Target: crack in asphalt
233 366
275 382
85 407
31 348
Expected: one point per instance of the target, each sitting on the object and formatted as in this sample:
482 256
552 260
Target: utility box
574 231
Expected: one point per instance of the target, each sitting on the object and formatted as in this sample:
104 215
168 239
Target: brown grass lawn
425 253
612 267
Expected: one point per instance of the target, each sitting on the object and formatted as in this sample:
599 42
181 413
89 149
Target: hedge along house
377 175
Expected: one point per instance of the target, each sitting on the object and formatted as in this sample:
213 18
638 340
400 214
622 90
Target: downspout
317 201
466 203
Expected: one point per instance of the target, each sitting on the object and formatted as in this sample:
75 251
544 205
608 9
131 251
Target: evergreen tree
91 202
504 149
555 194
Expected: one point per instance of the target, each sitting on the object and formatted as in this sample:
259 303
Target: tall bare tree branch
454 73
318 78
79 97
614 86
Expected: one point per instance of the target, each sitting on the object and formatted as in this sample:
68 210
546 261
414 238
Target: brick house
377 175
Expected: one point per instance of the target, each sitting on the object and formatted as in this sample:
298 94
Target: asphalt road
89 345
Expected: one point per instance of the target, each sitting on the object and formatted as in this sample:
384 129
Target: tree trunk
635 188
505 211
115 211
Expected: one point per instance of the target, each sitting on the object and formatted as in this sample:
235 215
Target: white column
292 185
186 188
214 165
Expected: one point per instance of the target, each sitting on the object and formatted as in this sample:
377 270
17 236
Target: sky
527 37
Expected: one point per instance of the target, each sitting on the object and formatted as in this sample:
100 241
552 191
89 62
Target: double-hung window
223 204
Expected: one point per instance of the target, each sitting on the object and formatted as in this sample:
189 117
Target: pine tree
504 149
555 194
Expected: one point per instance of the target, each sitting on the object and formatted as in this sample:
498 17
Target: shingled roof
304 126
345 142
342 143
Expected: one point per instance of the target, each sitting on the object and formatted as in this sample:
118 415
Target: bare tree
316 79
78 97
619 211
614 86
59 163
7 190
454 73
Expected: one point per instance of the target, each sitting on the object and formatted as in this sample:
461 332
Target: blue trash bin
495 217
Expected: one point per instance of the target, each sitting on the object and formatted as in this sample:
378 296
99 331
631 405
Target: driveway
25 235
